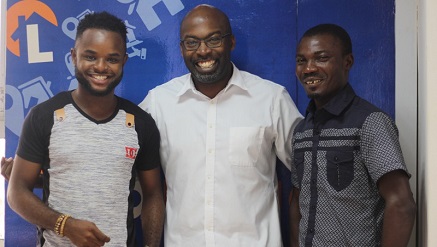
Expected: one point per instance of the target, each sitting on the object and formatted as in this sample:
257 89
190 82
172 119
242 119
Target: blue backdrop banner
41 33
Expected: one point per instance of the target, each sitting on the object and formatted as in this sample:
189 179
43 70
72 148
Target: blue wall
266 33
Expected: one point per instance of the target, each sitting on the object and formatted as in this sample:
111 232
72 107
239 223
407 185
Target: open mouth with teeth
313 82
99 77
206 64
99 80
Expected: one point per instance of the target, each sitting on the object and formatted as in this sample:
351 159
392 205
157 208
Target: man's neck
97 107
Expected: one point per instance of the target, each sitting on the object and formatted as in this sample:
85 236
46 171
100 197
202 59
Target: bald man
221 130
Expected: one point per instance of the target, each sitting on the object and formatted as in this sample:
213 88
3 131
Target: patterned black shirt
340 152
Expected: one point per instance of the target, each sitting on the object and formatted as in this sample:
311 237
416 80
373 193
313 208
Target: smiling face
208 65
99 56
322 67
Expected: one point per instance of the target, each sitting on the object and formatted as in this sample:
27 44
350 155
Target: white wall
2 111
416 103
2 66
406 87
427 132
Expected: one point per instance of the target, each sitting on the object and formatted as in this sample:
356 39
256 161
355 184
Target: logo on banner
27 8
144 9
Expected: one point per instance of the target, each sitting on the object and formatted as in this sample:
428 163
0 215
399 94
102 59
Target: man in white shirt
221 130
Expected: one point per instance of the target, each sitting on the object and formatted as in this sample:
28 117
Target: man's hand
6 167
84 233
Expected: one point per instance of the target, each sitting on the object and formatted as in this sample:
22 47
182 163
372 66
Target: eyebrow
320 52
207 36
315 53
115 54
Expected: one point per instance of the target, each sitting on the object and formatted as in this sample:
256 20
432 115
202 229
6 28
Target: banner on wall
40 35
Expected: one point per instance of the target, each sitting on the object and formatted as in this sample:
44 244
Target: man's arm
6 169
295 217
153 208
400 208
21 199
286 117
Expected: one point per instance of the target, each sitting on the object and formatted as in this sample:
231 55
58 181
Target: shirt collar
236 80
337 104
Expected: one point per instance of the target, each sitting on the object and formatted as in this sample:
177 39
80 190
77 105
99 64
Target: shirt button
313 181
311 230
336 158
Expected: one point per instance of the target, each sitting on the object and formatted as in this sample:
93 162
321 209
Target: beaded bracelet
61 231
60 223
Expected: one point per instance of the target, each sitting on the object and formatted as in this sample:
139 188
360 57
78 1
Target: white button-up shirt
218 156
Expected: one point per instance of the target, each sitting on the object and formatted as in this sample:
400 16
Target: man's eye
113 60
89 58
214 39
323 58
191 42
299 61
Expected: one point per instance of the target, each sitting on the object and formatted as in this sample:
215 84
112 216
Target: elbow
11 198
14 195
407 210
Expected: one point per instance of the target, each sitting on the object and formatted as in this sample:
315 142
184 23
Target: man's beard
87 85
206 78
209 78
313 95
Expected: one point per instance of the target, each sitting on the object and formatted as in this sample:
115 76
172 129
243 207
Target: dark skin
99 57
211 68
323 69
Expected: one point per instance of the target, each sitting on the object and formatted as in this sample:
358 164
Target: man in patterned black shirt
351 183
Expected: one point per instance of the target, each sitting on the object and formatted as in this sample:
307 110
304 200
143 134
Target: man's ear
125 58
73 56
181 48
233 42
349 61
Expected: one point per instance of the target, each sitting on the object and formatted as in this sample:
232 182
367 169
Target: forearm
400 208
152 219
398 223
31 208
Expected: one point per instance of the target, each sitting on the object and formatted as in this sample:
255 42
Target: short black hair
334 30
102 20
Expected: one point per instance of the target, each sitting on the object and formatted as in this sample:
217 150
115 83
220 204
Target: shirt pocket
340 169
245 145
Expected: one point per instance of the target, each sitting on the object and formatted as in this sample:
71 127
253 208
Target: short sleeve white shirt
218 156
